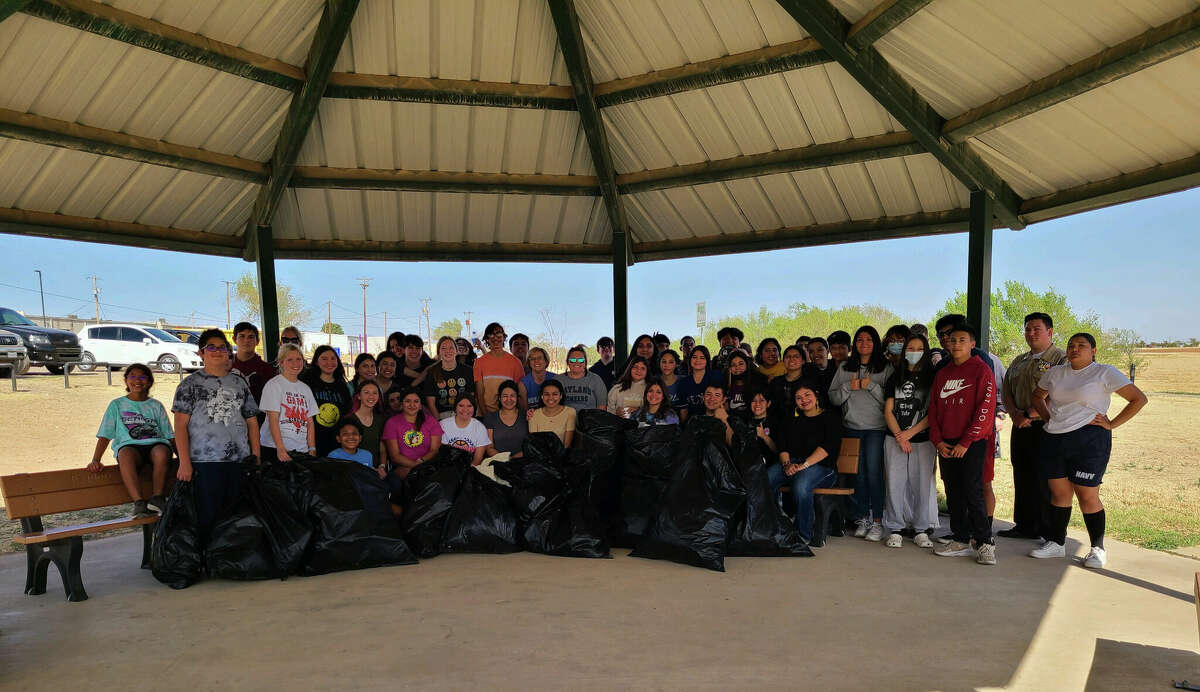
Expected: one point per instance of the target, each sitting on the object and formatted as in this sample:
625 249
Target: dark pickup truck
48 347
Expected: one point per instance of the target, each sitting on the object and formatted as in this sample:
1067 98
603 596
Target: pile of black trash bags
683 495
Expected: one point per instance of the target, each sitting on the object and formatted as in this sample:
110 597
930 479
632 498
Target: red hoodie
962 404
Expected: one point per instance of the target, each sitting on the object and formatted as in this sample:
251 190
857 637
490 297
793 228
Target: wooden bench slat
833 491
70 500
61 533
20 484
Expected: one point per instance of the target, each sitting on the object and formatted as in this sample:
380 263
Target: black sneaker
140 510
157 503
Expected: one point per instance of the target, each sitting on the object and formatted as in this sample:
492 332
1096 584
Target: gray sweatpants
911 486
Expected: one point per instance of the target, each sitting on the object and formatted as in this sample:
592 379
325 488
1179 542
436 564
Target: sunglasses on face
289 340
137 378
577 360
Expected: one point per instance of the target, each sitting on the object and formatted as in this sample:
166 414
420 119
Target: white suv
122 344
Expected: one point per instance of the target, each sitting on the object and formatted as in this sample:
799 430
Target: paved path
858 616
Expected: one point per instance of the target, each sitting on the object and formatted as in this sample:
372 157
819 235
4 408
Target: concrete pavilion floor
856 617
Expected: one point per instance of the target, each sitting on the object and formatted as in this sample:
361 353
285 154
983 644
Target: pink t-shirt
413 443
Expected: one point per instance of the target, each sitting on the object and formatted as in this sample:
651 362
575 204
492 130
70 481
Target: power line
85 301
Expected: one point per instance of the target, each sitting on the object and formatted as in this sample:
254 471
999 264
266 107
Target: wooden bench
829 504
31 496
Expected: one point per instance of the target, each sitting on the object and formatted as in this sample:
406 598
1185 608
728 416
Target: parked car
45 346
122 344
191 336
13 354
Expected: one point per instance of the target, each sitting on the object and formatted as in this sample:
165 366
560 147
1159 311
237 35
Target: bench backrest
847 461
51 492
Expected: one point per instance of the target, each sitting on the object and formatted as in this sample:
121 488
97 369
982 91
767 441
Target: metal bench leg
35 574
66 556
147 543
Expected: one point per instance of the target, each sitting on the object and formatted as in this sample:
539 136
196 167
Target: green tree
331 328
452 327
291 310
1119 348
800 319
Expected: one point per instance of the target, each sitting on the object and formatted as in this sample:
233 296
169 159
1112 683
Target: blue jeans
803 484
868 484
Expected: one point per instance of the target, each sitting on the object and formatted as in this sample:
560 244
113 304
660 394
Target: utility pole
192 318
227 320
364 282
385 331
96 294
42 293
428 326
329 321
469 333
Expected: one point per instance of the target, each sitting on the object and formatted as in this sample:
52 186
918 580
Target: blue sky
1134 264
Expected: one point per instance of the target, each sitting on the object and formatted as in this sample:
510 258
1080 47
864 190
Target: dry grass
1151 491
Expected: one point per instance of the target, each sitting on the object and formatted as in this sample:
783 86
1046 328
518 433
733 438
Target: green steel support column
979 266
620 261
264 261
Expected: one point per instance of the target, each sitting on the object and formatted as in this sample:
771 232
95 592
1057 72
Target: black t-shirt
822 378
743 387
333 402
445 387
782 394
911 402
800 435
770 426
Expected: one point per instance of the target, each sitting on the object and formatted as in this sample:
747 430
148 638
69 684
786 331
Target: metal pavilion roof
542 129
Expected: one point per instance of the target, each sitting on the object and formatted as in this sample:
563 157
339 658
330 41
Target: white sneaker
861 530
987 554
1096 558
954 549
922 540
894 541
1049 549
875 533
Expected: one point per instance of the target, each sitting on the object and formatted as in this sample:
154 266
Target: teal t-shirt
128 422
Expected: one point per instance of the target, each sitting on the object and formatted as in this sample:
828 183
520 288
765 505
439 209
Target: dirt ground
1151 490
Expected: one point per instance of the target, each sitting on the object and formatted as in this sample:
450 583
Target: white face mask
913 357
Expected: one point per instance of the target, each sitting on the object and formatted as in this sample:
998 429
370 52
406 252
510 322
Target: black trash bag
176 557
239 546
280 495
705 490
600 442
550 494
648 461
760 528
429 492
482 519
351 517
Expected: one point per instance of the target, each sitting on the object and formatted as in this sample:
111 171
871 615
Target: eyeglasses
289 339
137 378
944 333
577 360
213 348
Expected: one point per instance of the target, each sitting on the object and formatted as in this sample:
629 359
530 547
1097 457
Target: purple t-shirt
413 443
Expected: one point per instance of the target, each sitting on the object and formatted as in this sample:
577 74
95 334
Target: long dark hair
729 376
420 411
313 373
763 344
877 361
923 368
665 405
359 360
707 358
380 407
626 379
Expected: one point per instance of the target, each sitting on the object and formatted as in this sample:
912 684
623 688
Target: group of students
908 404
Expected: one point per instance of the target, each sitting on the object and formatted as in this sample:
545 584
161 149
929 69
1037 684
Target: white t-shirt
466 439
1076 396
295 403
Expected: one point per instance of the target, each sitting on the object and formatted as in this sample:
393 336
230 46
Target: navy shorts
143 452
1080 456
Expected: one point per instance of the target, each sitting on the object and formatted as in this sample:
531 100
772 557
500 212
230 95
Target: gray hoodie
862 409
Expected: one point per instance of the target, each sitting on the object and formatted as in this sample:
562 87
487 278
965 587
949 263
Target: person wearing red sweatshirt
962 411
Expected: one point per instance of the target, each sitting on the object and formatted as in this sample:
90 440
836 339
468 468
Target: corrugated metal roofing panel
631 37
62 181
443 217
495 41
1137 122
419 136
280 29
70 75
822 104
959 55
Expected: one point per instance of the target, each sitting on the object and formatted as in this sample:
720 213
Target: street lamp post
42 293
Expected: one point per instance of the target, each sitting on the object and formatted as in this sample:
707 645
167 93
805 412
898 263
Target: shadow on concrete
1142 583
1124 666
